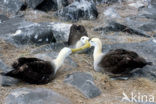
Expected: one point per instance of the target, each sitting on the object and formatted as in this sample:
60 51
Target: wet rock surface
78 10
83 82
35 96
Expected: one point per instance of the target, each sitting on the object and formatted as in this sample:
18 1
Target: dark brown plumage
32 70
122 61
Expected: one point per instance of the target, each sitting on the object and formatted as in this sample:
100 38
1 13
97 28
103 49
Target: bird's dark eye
82 38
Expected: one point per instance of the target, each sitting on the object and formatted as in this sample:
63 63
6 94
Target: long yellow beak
87 45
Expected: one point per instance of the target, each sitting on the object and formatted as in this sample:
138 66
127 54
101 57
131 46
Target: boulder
48 5
107 1
84 83
19 31
148 13
8 81
3 18
33 3
81 9
153 3
35 96
120 27
4 67
12 6
61 31
111 13
145 72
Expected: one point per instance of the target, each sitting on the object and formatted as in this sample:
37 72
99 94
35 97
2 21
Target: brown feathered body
121 61
32 70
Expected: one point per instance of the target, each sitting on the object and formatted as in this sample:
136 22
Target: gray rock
8 81
107 1
148 26
119 27
111 13
12 6
35 96
4 67
153 3
49 47
52 55
146 72
78 10
149 13
83 82
61 31
33 3
19 31
3 18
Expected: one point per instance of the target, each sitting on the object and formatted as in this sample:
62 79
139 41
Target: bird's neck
59 61
97 52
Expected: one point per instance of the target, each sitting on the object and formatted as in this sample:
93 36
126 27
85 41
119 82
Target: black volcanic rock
78 10
48 5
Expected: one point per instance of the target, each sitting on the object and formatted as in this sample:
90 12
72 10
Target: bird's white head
84 39
95 42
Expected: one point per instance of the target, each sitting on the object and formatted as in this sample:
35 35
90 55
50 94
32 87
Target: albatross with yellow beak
37 71
118 61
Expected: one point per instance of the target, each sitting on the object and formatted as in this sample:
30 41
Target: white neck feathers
97 51
59 60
